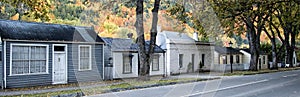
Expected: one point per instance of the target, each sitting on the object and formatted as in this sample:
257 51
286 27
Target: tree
199 15
251 14
144 56
288 14
39 9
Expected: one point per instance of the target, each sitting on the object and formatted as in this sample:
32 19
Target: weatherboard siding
15 81
74 75
1 66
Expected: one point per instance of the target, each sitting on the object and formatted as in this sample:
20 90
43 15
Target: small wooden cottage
222 59
121 59
262 59
185 54
43 54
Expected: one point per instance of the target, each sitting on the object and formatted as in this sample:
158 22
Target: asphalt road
279 84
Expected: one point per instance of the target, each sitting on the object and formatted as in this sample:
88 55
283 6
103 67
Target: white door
59 68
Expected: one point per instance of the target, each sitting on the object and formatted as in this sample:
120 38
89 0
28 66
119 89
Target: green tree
248 13
39 9
288 14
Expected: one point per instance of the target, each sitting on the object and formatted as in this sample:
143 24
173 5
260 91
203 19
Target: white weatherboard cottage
122 56
262 60
183 53
222 59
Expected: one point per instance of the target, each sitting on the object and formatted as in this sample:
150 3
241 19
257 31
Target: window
85 58
224 59
29 59
180 60
203 59
155 63
127 63
237 59
264 60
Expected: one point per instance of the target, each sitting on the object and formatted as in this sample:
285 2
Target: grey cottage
34 54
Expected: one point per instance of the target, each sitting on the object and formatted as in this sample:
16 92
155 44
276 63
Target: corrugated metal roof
227 50
248 51
177 37
19 30
120 44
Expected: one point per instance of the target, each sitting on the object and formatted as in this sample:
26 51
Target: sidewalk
8 92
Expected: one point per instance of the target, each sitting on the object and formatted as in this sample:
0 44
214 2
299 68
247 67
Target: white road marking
231 87
290 75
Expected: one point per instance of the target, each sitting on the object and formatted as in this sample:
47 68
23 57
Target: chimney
195 36
130 35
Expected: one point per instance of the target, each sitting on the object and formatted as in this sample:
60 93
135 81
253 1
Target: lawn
128 84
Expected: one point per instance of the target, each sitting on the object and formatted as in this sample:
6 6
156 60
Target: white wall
247 58
118 65
161 66
173 51
263 65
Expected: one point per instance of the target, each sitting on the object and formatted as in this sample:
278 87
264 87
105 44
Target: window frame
29 45
180 62
130 56
90 57
264 59
224 59
157 56
237 59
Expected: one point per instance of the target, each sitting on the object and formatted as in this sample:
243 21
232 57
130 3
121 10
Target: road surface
279 84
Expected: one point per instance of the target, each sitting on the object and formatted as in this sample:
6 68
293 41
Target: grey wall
97 64
27 80
108 73
1 66
73 74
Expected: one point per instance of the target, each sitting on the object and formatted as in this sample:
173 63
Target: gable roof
227 50
248 51
120 44
19 30
157 49
177 37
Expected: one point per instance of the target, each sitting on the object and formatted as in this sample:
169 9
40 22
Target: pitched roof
157 49
177 37
227 50
248 51
19 30
119 44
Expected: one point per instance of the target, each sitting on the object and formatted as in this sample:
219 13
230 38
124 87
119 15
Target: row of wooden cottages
35 54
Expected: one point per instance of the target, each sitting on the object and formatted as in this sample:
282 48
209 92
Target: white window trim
90 59
158 57
47 59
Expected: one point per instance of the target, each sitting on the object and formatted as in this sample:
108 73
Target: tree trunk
145 57
287 46
253 51
292 48
254 44
274 54
143 60
154 28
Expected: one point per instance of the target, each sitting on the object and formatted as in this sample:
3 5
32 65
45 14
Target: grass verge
260 71
129 84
